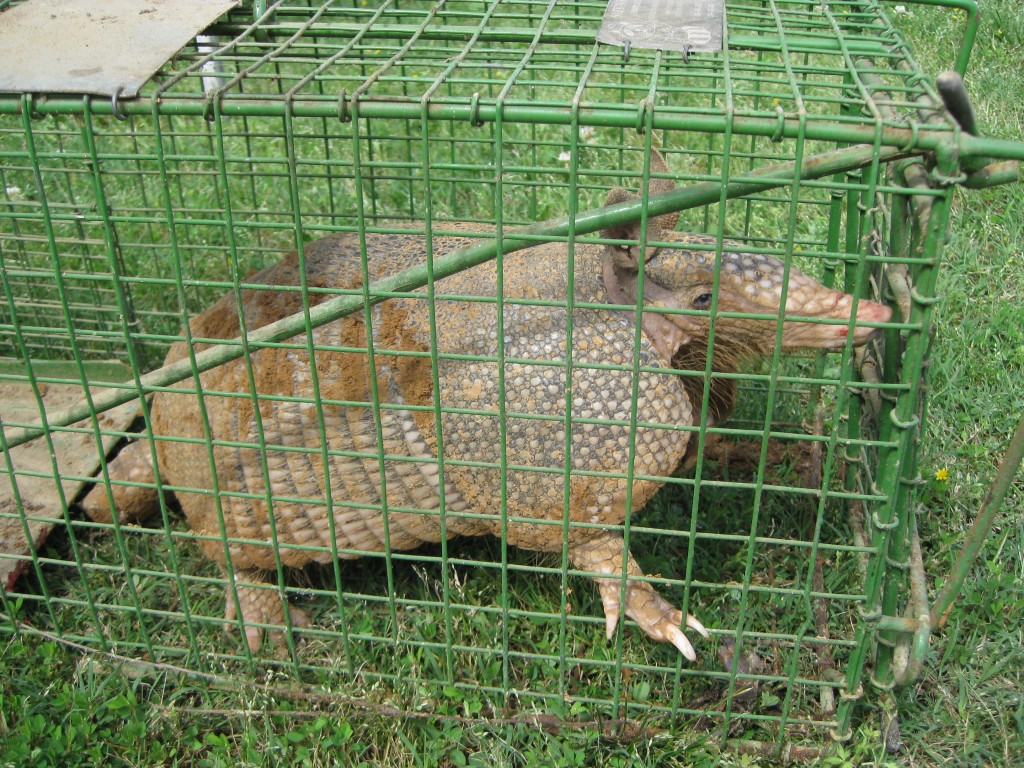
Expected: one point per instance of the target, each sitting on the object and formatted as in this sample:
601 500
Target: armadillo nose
870 312
873 312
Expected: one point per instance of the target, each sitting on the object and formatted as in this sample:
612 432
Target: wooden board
25 526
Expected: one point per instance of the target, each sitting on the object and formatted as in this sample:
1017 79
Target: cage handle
970 9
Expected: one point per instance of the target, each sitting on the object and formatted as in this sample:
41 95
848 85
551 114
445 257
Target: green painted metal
782 125
401 284
813 136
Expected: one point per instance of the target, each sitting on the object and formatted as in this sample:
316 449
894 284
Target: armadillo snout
869 312
828 327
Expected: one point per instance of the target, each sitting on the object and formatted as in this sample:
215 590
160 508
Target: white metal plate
96 46
667 25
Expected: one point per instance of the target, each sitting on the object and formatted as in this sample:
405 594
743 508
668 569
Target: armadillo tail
131 502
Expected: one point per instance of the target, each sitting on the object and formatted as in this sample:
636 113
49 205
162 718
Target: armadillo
269 469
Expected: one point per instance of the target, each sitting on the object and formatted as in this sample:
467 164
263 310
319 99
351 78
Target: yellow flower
942 475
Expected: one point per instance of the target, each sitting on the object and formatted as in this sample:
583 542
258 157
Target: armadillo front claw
605 553
261 605
653 613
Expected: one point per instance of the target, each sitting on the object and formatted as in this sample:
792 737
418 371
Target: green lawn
968 709
61 707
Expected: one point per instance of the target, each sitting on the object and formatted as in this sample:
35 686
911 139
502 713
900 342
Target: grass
62 706
968 708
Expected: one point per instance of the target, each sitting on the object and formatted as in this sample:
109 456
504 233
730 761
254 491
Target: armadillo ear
625 256
656 227
655 186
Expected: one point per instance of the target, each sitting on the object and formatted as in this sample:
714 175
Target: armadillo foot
605 553
131 502
262 611
654 614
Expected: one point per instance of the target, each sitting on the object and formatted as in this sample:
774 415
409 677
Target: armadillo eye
702 302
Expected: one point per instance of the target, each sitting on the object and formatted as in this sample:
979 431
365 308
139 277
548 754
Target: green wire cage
813 137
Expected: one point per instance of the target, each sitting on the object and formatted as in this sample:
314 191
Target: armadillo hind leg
131 502
263 608
604 553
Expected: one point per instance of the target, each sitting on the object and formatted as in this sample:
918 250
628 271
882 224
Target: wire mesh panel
505 402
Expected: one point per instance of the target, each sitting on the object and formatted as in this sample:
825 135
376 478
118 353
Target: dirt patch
785 460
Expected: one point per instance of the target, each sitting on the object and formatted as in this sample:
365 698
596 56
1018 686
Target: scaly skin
534 406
